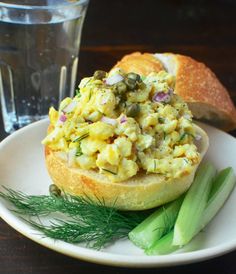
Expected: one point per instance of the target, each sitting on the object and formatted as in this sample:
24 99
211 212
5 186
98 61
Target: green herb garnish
186 160
80 138
90 95
164 135
78 151
88 221
77 93
107 170
182 136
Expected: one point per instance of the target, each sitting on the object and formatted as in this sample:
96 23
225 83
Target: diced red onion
198 137
123 119
187 116
161 97
70 107
62 118
114 79
104 100
164 97
108 120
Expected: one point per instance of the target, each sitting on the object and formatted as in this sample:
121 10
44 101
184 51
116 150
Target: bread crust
197 84
207 98
140 63
142 191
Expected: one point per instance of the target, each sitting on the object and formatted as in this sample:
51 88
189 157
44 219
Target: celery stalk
163 245
222 187
193 206
156 225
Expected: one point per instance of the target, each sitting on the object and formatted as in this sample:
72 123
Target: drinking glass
39 45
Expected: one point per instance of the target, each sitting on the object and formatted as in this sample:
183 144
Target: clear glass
39 45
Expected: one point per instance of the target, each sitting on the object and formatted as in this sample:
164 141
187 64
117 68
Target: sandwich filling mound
121 124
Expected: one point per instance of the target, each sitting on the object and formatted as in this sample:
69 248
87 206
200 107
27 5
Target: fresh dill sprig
109 171
88 221
78 151
77 92
185 134
73 232
164 135
168 221
90 95
39 205
80 138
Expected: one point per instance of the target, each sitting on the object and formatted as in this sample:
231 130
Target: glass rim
44 7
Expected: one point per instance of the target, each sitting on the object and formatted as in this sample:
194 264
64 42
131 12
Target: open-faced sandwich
126 139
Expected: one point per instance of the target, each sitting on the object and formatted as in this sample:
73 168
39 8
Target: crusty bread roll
207 98
143 191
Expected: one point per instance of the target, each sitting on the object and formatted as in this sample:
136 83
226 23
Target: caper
120 87
99 74
161 120
54 190
133 110
131 83
134 76
121 98
141 85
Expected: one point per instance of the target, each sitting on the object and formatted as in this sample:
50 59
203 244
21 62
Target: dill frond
80 138
88 221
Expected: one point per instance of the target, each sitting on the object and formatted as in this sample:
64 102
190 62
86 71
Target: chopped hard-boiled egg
119 124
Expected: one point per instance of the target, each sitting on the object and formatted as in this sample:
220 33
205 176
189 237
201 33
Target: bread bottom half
142 191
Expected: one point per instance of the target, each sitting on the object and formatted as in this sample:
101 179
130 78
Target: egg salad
121 124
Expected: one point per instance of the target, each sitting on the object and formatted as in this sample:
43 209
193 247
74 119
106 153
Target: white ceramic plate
22 168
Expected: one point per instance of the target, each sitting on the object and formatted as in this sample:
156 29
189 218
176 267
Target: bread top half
207 98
